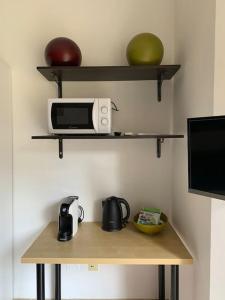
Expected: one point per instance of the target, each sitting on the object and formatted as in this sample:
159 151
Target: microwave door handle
50 116
95 115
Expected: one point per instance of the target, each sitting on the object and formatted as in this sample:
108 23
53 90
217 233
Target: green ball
145 49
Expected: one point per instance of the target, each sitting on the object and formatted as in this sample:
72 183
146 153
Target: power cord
114 106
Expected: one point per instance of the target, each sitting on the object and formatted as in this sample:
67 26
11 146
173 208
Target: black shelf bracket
159 142
60 148
58 81
159 87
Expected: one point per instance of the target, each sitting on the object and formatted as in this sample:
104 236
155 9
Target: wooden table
92 245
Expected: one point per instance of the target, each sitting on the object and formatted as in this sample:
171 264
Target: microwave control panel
104 125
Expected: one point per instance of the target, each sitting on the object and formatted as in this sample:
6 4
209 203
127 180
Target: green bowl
151 229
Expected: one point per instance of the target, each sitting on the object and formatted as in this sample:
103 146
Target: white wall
91 169
217 287
194 49
6 183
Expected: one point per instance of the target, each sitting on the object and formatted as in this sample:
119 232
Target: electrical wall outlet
92 267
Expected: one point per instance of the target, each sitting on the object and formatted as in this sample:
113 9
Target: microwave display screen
72 115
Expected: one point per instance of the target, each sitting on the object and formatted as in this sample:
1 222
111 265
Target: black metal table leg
175 282
40 277
161 272
57 282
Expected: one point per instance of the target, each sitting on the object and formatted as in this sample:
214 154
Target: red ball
62 52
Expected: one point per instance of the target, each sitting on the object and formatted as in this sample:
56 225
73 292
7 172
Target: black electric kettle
112 216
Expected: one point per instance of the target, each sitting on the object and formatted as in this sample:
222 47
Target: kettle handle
81 213
125 219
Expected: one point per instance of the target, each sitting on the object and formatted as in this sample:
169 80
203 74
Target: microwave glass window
68 116
72 116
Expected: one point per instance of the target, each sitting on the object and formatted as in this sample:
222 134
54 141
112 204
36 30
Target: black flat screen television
206 156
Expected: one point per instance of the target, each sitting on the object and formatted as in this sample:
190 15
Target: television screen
206 156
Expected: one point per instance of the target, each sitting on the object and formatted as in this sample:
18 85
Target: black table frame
40 278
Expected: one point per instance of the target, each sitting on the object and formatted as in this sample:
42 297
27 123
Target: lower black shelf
159 139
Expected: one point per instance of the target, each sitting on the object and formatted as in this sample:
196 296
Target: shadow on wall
134 173
51 211
133 177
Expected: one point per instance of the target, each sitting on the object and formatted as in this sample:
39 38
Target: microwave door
72 118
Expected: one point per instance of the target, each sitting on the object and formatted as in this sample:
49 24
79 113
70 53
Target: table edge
112 261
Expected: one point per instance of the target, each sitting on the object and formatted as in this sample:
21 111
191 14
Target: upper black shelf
109 73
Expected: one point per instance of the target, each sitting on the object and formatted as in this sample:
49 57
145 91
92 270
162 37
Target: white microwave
79 115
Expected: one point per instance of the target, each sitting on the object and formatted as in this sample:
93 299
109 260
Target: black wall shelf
109 73
159 139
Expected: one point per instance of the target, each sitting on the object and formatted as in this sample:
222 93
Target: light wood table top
92 245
